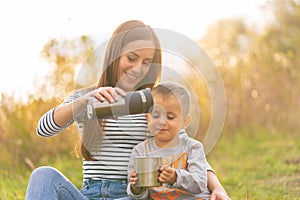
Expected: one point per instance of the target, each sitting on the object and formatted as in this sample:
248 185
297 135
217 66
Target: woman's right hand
63 114
107 93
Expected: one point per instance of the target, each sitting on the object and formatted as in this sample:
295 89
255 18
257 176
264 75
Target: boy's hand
133 178
167 175
133 181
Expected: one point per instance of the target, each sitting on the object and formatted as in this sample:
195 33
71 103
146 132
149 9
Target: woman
132 62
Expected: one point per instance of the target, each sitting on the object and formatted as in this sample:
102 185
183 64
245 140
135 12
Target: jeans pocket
85 185
91 191
118 189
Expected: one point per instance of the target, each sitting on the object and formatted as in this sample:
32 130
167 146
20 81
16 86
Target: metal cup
147 169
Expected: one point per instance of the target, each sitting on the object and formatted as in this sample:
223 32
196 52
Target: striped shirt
119 138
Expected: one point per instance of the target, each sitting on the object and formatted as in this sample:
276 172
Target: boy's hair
179 91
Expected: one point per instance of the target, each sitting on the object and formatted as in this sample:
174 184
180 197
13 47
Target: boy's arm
194 178
142 195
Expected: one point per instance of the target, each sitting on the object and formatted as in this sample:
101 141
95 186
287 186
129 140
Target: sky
27 25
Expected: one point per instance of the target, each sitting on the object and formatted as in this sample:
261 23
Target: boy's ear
148 118
187 121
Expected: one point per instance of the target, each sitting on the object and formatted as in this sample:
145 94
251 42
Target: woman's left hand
219 194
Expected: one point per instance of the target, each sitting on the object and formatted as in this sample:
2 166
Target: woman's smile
130 76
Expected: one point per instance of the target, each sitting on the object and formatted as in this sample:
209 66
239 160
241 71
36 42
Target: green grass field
258 165
250 165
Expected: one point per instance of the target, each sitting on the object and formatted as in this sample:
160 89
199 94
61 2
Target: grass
258 165
250 165
13 183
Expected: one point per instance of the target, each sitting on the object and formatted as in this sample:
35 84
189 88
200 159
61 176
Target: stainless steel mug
147 168
135 102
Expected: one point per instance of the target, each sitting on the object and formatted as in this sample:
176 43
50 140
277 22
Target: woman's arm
216 188
65 113
58 118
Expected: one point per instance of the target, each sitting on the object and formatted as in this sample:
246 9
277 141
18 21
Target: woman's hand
63 114
219 194
167 175
214 185
103 93
107 93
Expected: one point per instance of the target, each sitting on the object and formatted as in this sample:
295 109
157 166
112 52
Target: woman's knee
45 181
44 170
45 173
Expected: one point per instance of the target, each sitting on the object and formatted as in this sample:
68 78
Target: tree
260 69
65 57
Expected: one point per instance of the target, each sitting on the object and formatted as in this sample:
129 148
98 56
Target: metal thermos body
136 102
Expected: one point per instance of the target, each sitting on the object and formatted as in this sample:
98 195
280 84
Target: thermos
133 103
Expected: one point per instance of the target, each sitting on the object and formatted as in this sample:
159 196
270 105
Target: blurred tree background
260 69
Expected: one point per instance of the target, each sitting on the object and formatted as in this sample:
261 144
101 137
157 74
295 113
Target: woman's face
134 63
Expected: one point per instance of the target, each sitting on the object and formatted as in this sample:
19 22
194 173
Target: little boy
183 172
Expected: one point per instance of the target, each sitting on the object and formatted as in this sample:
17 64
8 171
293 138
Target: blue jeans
47 183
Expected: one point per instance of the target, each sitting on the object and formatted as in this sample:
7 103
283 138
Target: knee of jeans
44 172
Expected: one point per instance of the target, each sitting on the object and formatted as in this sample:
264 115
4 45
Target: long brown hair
127 32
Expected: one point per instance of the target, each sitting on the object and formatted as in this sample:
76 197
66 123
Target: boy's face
166 118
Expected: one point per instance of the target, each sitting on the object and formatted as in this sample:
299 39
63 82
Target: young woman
132 62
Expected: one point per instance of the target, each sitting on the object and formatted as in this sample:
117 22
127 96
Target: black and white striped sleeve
47 126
